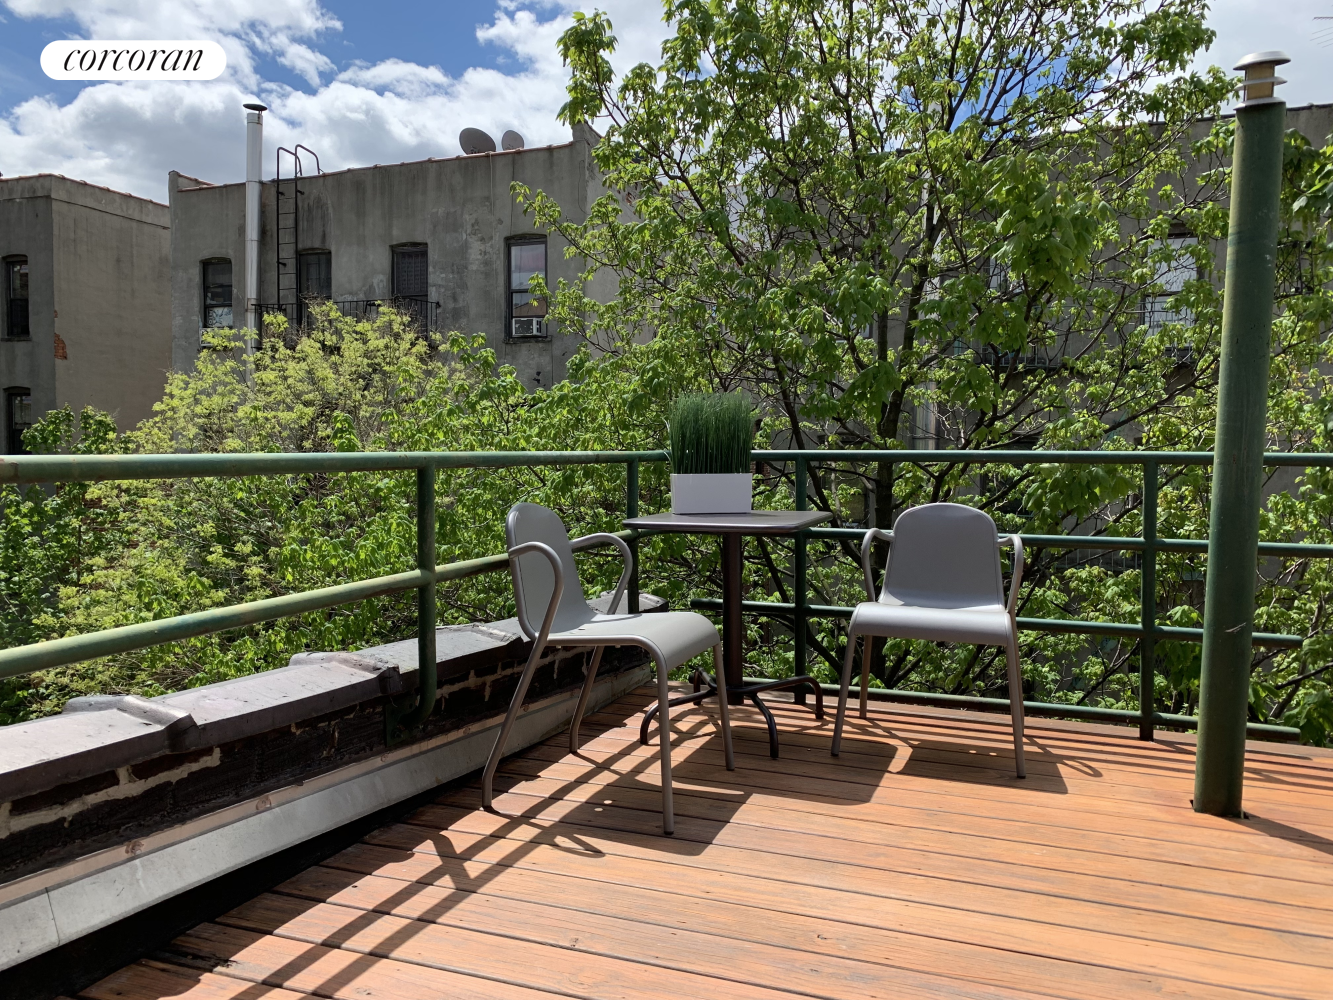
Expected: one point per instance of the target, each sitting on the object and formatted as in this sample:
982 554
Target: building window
1158 310
18 418
409 271
217 294
527 313
314 274
16 299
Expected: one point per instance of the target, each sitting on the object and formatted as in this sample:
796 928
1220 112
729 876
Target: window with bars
527 312
216 276
16 299
314 274
409 271
18 418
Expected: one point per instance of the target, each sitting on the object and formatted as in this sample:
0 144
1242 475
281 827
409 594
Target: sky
366 82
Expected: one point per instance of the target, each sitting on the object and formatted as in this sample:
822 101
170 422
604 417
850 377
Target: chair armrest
606 538
556 592
1017 579
871 535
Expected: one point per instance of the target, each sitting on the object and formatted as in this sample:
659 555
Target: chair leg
867 645
842 691
727 753
1016 704
664 740
583 699
515 703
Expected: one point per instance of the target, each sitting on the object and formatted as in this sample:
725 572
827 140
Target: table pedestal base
706 687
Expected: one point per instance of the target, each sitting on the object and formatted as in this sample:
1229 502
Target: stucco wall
98 273
113 303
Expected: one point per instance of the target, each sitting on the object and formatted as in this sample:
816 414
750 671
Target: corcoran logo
77 59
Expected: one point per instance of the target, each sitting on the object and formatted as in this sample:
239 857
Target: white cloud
240 26
129 135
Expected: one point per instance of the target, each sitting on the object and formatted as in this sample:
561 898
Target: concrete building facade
86 313
444 238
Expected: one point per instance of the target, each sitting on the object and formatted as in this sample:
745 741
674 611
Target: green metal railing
19 470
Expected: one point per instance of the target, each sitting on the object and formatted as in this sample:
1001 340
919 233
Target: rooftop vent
511 140
474 140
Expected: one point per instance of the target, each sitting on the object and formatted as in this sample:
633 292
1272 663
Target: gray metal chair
541 561
942 583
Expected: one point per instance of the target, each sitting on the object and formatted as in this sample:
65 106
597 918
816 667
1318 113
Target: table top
750 522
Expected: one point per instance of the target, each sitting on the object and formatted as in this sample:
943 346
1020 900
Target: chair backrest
944 555
534 580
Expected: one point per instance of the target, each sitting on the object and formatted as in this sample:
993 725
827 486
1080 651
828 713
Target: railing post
1148 600
1238 454
632 510
798 614
427 682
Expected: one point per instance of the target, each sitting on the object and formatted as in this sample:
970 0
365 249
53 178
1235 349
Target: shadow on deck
914 865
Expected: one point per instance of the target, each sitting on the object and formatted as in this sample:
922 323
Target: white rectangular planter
718 493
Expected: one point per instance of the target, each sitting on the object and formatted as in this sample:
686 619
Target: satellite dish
511 140
474 140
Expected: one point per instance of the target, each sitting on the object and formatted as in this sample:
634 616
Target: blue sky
374 82
443 34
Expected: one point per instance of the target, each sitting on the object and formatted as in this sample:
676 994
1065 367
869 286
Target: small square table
732 528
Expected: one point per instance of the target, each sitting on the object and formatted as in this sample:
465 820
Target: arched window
216 280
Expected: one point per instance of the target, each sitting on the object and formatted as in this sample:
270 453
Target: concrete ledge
48 909
97 735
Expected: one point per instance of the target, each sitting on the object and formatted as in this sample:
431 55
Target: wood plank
1288 806
153 981
831 786
800 728
918 827
1095 737
915 806
914 865
954 852
690 929
865 745
331 972
958 912
964 720
1153 914
623 961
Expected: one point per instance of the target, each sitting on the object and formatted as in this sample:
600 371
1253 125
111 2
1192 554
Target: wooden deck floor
915 865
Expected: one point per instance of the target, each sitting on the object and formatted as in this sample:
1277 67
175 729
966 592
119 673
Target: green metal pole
1148 601
798 622
632 510
1242 406
427 689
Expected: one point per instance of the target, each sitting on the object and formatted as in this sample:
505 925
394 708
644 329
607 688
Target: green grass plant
711 432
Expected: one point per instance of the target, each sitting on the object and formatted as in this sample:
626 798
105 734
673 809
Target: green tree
877 215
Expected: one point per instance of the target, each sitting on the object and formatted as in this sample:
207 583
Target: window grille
16 299
409 272
18 418
314 271
217 294
527 312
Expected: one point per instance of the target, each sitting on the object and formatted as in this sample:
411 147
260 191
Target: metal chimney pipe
254 152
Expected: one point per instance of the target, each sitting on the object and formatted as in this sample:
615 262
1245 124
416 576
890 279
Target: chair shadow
448 851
